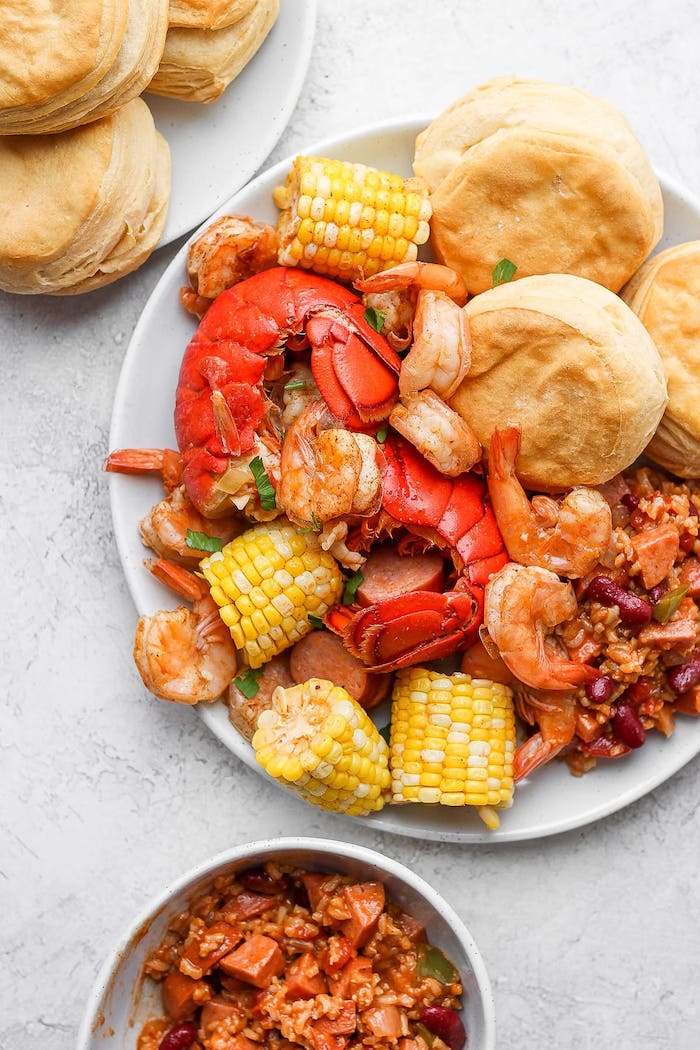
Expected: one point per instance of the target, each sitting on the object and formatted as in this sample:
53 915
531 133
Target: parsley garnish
296 384
503 272
264 485
248 683
200 541
374 318
382 435
315 621
351 585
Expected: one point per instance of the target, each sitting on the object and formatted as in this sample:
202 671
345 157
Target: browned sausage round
243 711
323 655
387 573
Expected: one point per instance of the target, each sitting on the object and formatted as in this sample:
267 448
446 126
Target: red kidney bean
657 593
634 611
259 881
446 1024
630 500
179 1038
627 725
683 678
599 689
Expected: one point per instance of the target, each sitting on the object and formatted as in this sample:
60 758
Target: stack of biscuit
209 42
85 174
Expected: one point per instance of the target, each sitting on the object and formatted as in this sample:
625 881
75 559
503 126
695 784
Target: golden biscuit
571 363
208 14
665 295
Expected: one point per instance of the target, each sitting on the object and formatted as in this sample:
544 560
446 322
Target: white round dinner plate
549 801
216 147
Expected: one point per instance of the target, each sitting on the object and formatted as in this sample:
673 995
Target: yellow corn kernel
350 200
307 739
265 583
452 741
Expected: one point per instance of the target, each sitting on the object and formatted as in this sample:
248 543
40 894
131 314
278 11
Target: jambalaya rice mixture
283 958
652 513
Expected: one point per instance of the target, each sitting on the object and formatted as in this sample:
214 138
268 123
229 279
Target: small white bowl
121 1001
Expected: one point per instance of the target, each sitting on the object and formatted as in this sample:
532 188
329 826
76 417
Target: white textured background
591 938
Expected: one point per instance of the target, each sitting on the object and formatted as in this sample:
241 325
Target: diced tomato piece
386 1022
366 903
303 978
340 951
182 995
354 975
257 961
206 950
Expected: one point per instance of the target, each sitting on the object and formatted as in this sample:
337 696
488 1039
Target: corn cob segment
266 582
317 740
452 741
347 220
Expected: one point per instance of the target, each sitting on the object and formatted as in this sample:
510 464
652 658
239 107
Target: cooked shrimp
567 536
327 473
394 292
521 603
243 711
296 397
437 431
185 655
233 248
165 528
440 355
164 461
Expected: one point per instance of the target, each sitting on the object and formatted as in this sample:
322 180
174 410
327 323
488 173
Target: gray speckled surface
591 938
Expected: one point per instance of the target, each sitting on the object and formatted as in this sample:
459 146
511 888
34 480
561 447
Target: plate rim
307 11
383 821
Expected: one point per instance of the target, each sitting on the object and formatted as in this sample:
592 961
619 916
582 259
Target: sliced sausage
206 950
365 901
182 995
353 976
247 905
243 712
256 962
656 551
303 979
690 573
386 573
216 1010
323 655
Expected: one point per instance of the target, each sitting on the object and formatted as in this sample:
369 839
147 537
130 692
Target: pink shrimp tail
504 450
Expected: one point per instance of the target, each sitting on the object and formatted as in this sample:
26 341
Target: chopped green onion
374 318
296 384
432 963
382 435
264 485
385 731
351 585
664 609
315 621
248 683
503 272
200 541
425 1033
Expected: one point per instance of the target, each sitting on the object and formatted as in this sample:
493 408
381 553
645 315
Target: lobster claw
410 628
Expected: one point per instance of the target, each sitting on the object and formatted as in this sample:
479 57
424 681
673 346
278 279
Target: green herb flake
351 585
315 621
374 318
664 609
200 541
296 384
315 522
382 435
248 683
265 487
503 272
432 963
385 731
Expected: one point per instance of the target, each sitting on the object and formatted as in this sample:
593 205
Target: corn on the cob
266 582
316 739
452 741
347 220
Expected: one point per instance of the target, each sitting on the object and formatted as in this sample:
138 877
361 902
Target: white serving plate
121 1002
216 147
549 801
